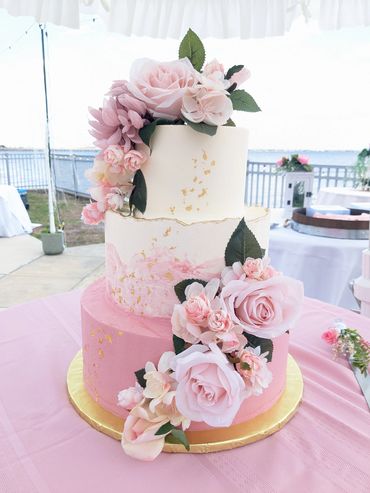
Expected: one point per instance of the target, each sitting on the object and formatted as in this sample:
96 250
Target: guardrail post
7 168
75 178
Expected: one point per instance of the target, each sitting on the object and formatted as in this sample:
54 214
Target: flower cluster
348 343
177 92
293 163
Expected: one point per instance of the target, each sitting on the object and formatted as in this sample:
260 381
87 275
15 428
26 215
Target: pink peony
254 371
264 308
130 397
303 160
209 389
161 85
330 336
253 268
134 159
240 77
209 106
113 156
91 214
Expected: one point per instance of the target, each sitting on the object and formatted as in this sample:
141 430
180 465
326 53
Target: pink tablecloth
46 447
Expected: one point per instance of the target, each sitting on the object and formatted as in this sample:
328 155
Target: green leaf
242 101
178 344
147 131
242 244
229 123
232 88
181 286
164 429
178 436
140 377
233 70
203 128
266 345
192 47
138 194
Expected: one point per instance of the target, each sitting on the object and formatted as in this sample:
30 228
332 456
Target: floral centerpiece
180 92
362 169
223 332
293 163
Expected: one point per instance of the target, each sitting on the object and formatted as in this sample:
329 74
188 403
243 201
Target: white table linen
341 196
14 218
324 265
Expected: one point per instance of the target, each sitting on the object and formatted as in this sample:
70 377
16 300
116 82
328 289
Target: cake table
45 447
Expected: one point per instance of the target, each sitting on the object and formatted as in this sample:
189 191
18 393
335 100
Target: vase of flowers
362 170
295 167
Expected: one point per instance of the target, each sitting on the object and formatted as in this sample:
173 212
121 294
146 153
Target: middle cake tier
145 259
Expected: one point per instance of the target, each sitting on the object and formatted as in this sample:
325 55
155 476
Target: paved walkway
26 273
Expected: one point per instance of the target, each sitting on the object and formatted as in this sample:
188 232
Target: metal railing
26 169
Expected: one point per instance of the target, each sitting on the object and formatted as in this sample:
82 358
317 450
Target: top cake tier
189 175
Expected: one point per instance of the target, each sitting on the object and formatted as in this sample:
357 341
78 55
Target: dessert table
324 265
341 196
45 447
14 219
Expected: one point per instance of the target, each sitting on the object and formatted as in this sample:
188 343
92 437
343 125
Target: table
324 265
341 196
45 447
14 219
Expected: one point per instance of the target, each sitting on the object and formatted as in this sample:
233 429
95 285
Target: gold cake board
212 440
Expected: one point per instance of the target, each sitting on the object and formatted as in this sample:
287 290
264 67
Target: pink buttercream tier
117 343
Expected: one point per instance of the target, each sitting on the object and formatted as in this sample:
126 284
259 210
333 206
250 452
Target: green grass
76 232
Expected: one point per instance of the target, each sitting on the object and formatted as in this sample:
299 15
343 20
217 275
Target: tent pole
47 138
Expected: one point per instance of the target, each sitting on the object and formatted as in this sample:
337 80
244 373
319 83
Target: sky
312 85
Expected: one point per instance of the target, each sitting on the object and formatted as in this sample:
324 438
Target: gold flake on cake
172 209
101 353
184 191
120 333
213 163
205 157
92 333
203 192
189 208
167 231
168 275
207 171
138 300
108 338
100 340
195 179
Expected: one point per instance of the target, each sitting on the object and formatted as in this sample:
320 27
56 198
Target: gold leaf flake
167 232
189 208
120 333
203 193
195 160
192 190
205 157
184 191
138 300
92 333
172 210
108 338
168 275
207 171
101 353
195 179
100 340
213 163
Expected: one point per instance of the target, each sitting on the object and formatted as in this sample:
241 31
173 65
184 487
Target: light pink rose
279 163
115 199
130 397
200 104
264 308
161 85
240 77
113 156
91 214
134 159
303 160
103 174
258 269
197 309
219 321
209 389
254 370
212 67
330 336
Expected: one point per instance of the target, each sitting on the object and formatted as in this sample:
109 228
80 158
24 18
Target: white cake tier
146 258
193 177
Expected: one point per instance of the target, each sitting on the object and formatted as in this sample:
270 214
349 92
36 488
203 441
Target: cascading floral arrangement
293 163
180 92
223 334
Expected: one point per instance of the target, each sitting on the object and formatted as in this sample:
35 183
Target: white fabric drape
209 18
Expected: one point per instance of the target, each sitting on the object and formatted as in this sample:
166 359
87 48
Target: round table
341 196
324 265
45 447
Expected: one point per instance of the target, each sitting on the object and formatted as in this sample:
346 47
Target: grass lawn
76 232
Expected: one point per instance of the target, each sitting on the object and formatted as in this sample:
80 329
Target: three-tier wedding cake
188 331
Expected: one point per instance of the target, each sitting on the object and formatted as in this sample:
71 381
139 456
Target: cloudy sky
312 86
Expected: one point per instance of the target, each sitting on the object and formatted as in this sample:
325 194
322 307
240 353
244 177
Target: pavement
26 273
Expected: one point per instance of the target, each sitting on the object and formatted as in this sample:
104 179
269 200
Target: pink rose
264 308
139 439
330 336
240 77
197 309
104 174
91 214
219 321
254 371
253 268
279 163
130 397
209 106
303 160
113 156
134 159
212 67
161 85
115 199
209 389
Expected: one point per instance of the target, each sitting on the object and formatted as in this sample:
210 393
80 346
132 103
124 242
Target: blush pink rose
115 199
264 308
240 77
303 160
212 67
91 214
330 336
279 163
209 106
209 389
134 159
113 155
130 397
258 269
161 85
254 370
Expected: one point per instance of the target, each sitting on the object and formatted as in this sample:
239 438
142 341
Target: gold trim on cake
212 440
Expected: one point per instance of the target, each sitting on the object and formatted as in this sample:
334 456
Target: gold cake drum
205 441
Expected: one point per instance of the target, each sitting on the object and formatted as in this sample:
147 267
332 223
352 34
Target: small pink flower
258 269
115 199
210 106
130 397
219 321
330 336
197 309
303 160
279 163
212 67
134 159
240 77
91 214
113 156
254 371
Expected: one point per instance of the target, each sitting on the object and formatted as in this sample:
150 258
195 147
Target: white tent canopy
209 18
